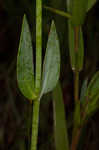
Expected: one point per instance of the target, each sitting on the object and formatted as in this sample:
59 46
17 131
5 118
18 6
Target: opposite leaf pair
25 67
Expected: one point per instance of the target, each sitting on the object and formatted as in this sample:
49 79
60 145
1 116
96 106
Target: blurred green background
15 110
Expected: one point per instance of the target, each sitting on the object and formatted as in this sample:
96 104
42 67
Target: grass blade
58 12
93 86
92 96
78 10
91 3
76 58
60 126
83 91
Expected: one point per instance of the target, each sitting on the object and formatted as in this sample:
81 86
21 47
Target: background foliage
14 109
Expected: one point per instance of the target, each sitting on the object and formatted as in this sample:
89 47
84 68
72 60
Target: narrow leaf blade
83 91
58 12
92 95
71 45
25 75
92 106
93 87
60 126
51 67
76 58
91 3
78 11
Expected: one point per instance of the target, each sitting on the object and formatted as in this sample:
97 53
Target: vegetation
39 73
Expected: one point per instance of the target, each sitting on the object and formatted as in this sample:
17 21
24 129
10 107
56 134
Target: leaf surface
25 71
78 10
91 3
76 58
51 66
92 95
60 125
83 91
93 86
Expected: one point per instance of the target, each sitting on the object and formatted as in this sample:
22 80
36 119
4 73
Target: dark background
15 110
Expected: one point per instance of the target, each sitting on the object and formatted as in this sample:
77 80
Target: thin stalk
29 121
76 86
75 139
35 122
76 130
58 12
76 126
36 103
38 44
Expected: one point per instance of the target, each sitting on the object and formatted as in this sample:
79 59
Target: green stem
75 140
29 122
38 43
76 86
35 122
59 12
76 129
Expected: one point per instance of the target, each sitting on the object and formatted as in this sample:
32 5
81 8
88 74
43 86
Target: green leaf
91 3
60 126
25 72
58 12
92 95
51 66
68 5
76 58
92 106
93 86
71 45
83 91
78 10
